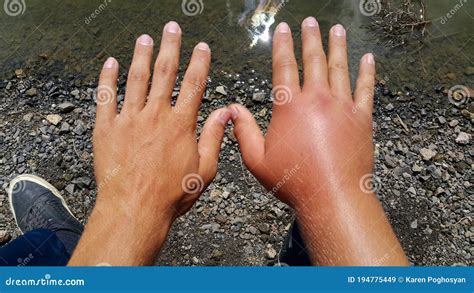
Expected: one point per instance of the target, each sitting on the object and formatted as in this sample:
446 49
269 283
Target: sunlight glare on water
258 18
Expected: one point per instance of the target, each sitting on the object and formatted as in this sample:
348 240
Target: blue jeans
40 247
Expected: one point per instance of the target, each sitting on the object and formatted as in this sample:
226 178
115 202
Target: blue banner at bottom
237 279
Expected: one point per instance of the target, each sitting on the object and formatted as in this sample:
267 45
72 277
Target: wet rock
463 138
427 154
66 107
54 118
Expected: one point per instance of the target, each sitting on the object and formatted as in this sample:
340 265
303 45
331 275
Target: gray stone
66 107
411 190
453 123
70 188
75 93
80 128
28 117
259 97
64 128
389 107
221 90
54 118
463 138
31 92
427 154
270 252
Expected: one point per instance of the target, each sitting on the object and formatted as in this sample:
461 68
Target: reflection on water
62 37
258 18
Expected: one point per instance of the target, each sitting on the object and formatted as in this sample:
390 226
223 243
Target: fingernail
172 27
110 63
145 40
234 112
202 46
224 116
283 28
339 30
310 22
370 59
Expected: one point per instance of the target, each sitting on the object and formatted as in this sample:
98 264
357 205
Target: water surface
75 37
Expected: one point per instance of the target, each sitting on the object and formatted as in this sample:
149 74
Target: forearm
121 238
349 229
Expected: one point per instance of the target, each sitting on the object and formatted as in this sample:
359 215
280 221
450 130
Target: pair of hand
150 167
154 149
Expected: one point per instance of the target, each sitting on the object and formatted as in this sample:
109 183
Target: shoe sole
37 180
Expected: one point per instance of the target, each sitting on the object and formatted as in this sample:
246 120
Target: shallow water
59 37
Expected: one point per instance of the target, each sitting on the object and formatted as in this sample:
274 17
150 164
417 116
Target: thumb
249 136
210 143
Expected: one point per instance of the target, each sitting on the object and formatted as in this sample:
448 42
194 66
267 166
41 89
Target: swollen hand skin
318 147
145 155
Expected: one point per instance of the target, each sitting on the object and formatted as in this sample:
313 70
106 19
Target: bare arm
149 166
318 149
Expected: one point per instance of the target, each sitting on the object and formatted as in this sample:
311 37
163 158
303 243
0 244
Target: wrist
121 235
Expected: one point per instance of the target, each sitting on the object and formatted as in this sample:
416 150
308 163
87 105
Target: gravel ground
423 170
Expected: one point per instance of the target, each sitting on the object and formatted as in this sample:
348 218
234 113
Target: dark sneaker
293 252
36 204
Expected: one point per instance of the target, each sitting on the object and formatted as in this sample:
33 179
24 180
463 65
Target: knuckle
285 63
338 67
315 57
194 81
166 68
138 75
